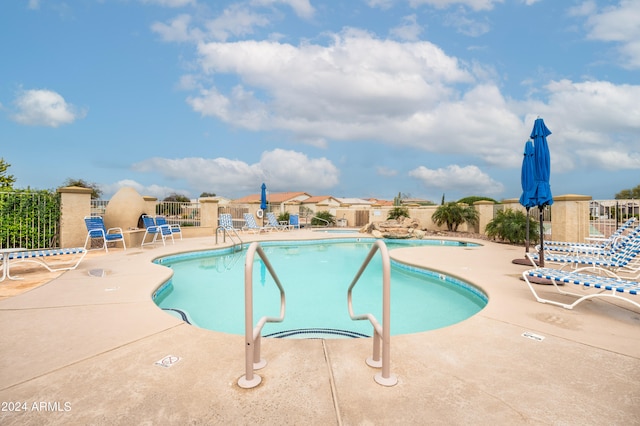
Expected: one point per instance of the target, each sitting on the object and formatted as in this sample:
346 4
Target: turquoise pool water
207 289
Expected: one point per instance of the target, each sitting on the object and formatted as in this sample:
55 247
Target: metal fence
177 212
237 214
605 216
30 220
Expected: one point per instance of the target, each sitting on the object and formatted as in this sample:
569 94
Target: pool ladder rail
232 236
380 332
253 334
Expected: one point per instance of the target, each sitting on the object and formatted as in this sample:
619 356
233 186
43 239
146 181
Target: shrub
454 215
323 218
397 212
29 218
283 217
509 225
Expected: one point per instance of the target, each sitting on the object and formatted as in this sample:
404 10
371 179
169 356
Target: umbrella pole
526 244
541 254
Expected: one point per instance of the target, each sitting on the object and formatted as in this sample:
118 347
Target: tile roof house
274 198
320 202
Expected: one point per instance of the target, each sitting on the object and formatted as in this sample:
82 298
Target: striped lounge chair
608 248
251 225
271 217
61 259
626 260
605 284
596 242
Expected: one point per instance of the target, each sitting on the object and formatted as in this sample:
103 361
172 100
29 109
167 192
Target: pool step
316 333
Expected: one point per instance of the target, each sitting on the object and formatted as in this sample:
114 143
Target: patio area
82 349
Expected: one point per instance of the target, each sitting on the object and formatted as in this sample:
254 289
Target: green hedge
29 219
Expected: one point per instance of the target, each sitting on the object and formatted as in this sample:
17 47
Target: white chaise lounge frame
607 284
41 256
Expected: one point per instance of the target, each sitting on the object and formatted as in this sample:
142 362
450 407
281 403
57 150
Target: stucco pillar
514 204
209 213
570 217
150 204
75 204
485 214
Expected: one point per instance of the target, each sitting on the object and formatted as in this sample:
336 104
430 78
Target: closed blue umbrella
528 181
542 169
263 200
542 194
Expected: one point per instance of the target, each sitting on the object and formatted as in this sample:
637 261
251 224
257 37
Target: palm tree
454 214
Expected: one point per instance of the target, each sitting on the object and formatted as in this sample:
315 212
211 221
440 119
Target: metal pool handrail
225 232
383 332
253 334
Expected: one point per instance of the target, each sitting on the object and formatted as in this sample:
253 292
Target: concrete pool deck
82 349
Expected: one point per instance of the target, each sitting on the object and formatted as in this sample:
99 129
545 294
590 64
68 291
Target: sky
348 98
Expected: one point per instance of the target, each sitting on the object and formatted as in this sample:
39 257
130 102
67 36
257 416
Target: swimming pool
207 290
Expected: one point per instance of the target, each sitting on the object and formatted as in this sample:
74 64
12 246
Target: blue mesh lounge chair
602 282
151 228
225 221
273 222
175 228
96 231
250 225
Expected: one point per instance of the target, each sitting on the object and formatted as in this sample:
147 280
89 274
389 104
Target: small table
4 256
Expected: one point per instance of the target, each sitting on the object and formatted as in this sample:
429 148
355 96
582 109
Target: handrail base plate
248 384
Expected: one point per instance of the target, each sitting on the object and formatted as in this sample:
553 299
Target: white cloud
612 159
33 4
619 24
283 170
170 3
382 4
302 8
38 107
465 25
467 180
360 88
177 30
386 171
590 118
158 191
442 4
357 87
236 21
410 29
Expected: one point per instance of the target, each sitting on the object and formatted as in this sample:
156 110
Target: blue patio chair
97 231
175 228
152 228
294 221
